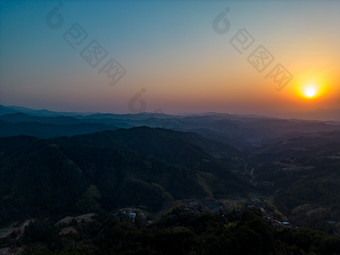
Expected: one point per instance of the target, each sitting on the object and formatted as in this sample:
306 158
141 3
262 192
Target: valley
133 170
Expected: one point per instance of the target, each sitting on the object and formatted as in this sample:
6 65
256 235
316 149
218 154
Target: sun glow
310 91
314 87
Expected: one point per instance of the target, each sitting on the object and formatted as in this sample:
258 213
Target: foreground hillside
179 230
296 169
139 167
302 172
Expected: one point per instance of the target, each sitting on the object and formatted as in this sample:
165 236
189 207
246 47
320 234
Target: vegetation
108 170
179 232
294 177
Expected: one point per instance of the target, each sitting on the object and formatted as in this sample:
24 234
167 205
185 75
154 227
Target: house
132 216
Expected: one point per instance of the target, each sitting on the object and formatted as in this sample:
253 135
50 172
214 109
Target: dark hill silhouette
127 167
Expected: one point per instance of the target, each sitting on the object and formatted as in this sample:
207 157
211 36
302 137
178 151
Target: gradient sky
170 49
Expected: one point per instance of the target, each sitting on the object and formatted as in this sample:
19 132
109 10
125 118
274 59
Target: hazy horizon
318 115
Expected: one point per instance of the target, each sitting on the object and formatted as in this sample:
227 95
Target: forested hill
141 167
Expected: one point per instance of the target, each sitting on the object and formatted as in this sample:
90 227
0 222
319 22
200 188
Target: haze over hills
217 155
239 130
54 165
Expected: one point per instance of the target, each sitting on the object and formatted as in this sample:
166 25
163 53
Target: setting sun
310 91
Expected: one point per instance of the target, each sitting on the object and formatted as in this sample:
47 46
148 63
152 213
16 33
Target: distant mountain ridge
110 158
238 130
33 112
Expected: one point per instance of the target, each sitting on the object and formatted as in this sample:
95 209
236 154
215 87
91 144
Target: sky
243 57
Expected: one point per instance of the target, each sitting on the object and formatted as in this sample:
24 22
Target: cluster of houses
128 213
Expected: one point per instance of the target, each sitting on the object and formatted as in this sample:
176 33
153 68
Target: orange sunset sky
171 50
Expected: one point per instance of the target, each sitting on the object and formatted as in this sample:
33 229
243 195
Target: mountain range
56 164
